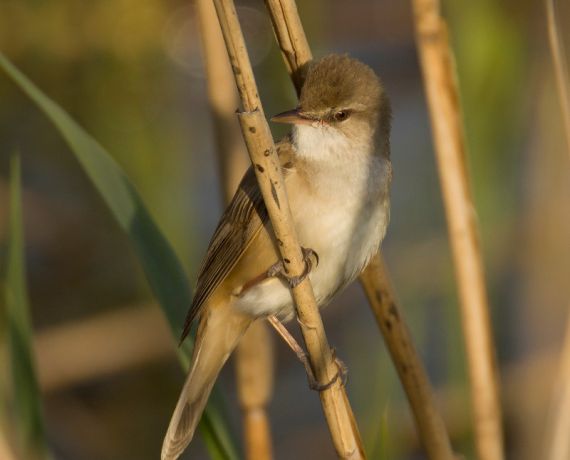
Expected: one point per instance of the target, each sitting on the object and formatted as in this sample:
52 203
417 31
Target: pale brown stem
254 366
410 369
558 426
447 126
6 452
254 370
560 67
259 141
223 101
257 434
102 345
291 38
296 52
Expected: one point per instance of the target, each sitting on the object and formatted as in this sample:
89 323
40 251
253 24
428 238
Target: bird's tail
219 331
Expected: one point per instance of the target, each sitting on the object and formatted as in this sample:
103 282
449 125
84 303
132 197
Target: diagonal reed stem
254 356
443 100
375 280
291 38
407 361
259 141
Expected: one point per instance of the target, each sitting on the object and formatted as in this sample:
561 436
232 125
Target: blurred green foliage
492 50
21 408
164 272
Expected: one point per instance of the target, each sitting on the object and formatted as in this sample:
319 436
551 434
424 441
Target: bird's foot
278 269
341 373
314 384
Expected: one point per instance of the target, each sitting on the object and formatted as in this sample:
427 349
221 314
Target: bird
337 173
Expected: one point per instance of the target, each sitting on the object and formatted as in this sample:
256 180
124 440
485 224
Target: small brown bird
337 172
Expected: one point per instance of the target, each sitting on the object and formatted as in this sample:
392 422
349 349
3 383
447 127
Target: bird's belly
344 237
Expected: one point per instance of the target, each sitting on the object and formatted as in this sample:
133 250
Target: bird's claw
278 269
341 373
309 253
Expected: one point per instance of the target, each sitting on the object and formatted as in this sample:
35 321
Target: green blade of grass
25 391
160 264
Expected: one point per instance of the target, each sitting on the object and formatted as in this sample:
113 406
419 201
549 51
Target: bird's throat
326 142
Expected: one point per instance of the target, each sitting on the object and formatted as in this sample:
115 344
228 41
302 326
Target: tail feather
220 329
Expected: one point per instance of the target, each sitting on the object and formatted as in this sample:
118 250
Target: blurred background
131 74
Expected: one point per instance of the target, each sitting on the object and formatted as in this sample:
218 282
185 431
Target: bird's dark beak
295 117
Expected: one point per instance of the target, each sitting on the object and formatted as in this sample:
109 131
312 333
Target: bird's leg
298 350
278 269
251 283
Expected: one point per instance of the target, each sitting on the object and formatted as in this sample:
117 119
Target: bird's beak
295 117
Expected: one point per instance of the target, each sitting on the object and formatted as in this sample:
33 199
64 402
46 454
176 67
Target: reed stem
443 101
259 141
254 357
560 66
558 426
254 366
411 371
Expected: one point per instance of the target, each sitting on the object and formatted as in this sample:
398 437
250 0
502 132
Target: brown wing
243 218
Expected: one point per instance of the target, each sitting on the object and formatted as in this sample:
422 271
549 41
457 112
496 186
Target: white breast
342 216
344 222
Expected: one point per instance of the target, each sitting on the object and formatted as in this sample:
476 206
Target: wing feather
238 226
242 220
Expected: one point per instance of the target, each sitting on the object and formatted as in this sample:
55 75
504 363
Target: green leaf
25 391
160 264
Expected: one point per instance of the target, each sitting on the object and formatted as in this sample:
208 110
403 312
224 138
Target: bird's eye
341 115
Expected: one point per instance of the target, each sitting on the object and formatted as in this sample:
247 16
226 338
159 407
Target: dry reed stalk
223 101
445 113
254 365
296 53
560 66
80 351
408 364
254 358
558 426
5 450
259 141
290 37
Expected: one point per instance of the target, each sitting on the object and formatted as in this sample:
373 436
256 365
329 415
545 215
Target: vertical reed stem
5 449
558 426
254 357
259 141
443 101
223 100
560 67
254 365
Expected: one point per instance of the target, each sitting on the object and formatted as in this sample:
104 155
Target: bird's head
341 98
